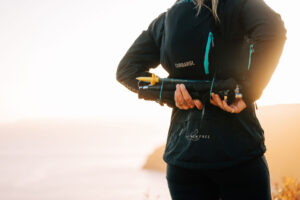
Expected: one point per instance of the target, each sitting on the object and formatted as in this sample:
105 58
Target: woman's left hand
236 107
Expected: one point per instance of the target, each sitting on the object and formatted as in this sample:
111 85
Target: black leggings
250 180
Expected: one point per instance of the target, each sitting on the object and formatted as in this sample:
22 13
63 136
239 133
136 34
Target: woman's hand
236 107
183 99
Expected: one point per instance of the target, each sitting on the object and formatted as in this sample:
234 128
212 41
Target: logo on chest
185 64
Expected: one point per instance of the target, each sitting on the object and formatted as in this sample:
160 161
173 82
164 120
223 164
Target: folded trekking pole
162 90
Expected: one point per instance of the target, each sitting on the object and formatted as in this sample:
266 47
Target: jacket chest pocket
234 59
192 58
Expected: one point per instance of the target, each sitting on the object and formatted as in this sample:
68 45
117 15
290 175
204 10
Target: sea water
79 160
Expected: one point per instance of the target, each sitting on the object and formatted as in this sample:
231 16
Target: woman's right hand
183 99
237 106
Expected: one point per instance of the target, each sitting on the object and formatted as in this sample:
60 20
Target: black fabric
215 140
143 54
177 40
248 181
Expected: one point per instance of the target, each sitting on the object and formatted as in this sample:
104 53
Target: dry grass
288 190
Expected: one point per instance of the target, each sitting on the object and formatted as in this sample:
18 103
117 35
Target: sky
58 58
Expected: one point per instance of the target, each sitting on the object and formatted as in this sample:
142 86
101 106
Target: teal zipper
210 42
250 55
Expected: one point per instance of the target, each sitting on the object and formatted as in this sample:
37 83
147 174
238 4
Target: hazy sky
58 58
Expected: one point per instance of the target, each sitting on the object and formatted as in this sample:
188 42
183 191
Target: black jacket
245 44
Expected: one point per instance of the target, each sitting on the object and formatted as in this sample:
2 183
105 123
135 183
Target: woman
214 150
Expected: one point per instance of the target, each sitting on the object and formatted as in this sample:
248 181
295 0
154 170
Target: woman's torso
199 48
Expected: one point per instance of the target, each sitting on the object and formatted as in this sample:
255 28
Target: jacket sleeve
266 31
143 54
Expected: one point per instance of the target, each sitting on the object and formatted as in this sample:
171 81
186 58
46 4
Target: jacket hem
214 165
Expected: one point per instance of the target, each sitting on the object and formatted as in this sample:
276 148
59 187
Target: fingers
217 100
179 99
183 99
236 107
213 102
186 96
198 104
231 108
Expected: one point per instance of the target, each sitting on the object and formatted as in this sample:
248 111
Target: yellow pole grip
152 80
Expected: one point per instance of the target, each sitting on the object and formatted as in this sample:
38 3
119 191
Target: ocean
80 160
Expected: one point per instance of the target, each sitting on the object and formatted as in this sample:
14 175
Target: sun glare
60 59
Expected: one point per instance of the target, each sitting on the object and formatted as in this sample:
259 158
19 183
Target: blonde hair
213 10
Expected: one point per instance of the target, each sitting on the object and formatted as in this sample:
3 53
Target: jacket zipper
251 51
210 42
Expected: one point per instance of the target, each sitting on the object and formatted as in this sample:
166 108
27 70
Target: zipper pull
251 48
251 51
